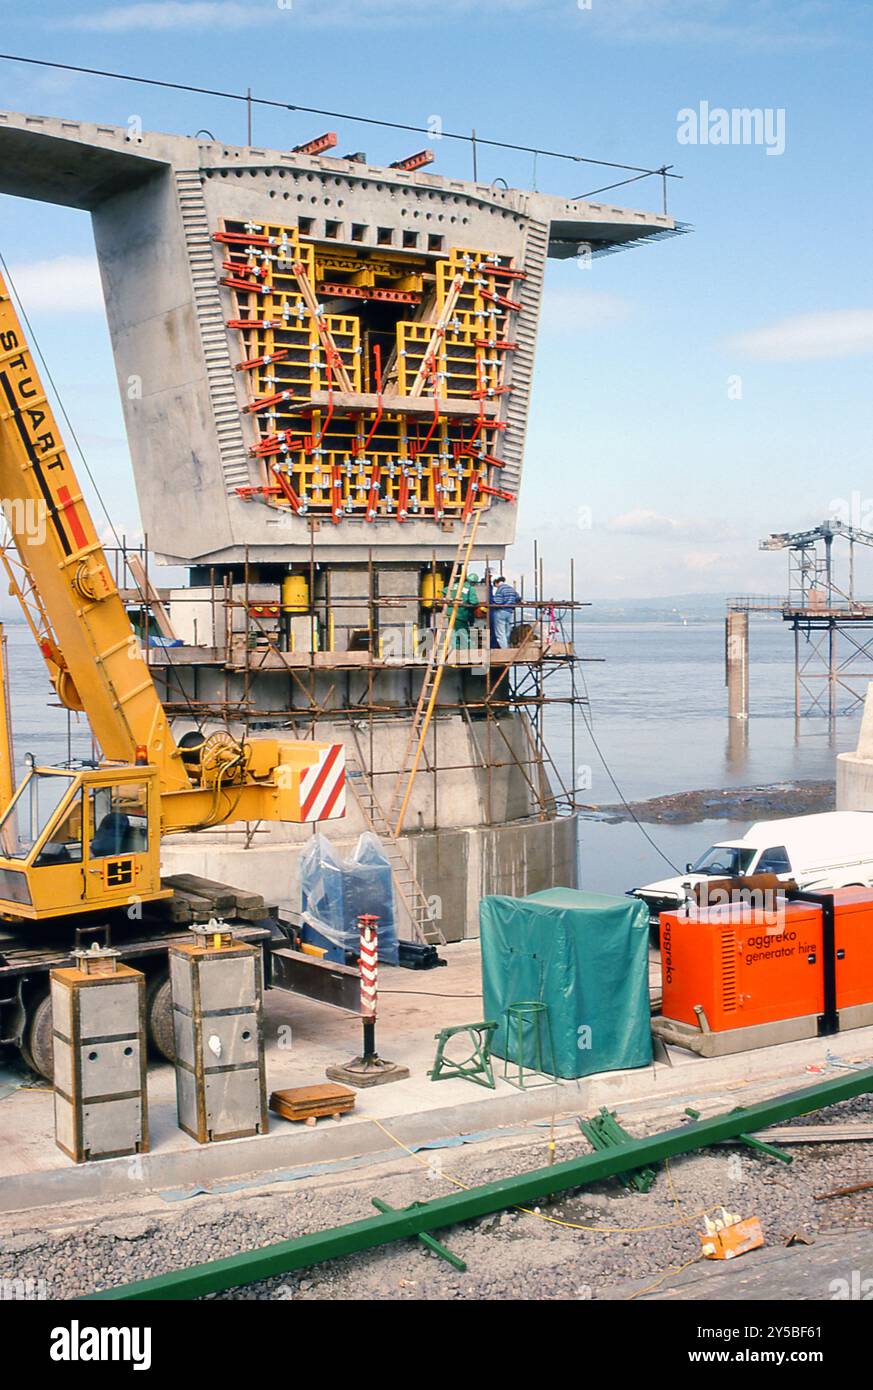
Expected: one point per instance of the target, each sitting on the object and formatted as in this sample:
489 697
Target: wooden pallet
312 1102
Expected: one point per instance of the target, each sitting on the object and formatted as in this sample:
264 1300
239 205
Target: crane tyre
159 1016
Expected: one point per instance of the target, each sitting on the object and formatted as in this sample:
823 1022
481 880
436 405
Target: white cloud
64 285
702 561
708 560
167 14
810 337
159 15
759 24
647 523
763 24
578 307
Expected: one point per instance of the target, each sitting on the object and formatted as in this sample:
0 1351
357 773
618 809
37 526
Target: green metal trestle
526 1017
476 1066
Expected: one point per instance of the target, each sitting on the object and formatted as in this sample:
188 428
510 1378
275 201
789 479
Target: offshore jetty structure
325 368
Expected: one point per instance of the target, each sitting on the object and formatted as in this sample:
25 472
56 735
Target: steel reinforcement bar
216 1276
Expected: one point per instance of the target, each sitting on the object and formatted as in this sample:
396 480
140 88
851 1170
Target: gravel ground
509 1256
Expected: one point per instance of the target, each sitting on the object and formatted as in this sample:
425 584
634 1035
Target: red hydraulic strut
503 271
436 474
497 492
249 286
336 494
241 239
287 489
274 444
267 402
234 267
488 392
414 161
245 324
403 495
318 145
254 362
249 490
502 300
373 497
472 494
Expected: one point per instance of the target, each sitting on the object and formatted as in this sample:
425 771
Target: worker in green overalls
468 601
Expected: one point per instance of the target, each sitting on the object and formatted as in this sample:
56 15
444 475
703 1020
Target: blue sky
691 396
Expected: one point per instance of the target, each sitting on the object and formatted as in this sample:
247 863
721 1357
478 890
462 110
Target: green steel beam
271 1260
763 1148
427 1241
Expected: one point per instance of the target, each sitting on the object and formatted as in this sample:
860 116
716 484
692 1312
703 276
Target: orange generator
741 975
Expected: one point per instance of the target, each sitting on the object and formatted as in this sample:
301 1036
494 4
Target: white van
831 850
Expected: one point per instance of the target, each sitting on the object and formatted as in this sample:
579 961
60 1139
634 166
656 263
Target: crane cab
75 840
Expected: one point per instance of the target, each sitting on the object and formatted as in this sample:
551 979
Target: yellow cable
672 1186
620 1230
674 1269
553 1220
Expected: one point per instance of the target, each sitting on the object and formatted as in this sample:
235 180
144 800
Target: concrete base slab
367 1071
303 1039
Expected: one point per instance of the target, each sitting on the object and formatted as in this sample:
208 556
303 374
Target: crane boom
7 762
80 840
92 653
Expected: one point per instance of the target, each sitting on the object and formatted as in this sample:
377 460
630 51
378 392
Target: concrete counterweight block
98 1013
218 1016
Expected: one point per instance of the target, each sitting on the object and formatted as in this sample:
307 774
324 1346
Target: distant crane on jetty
833 629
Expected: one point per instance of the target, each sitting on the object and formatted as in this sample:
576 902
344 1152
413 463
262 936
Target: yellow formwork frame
312 448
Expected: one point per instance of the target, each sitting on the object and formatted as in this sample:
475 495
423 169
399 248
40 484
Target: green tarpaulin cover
585 955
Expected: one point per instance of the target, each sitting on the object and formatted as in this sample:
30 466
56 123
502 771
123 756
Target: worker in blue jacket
503 601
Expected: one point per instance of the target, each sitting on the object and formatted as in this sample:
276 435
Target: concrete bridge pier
736 659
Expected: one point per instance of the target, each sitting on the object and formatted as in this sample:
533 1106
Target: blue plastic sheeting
585 956
339 1165
337 891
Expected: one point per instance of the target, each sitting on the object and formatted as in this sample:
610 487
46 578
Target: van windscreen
724 861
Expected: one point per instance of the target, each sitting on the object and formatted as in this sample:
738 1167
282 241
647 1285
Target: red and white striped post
369 967
369 1069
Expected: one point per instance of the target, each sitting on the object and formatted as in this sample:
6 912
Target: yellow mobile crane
78 845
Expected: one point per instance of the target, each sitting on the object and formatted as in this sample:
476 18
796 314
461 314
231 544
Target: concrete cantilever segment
54 162
855 769
155 200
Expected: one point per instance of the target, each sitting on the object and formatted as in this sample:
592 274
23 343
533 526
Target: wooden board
256 914
818 1134
221 896
151 595
308 1102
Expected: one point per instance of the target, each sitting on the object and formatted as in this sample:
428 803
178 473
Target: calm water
39 725
657 711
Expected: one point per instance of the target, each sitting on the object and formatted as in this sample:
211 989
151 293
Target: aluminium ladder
440 650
